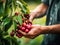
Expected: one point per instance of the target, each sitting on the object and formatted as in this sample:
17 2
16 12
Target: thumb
32 14
35 26
31 18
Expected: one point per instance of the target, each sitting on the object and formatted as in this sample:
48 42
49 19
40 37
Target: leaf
14 4
8 25
19 18
6 21
8 7
23 2
1 9
15 25
23 7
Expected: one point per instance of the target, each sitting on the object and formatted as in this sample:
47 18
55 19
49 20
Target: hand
32 15
35 31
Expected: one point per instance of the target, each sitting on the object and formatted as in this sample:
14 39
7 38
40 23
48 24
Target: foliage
8 8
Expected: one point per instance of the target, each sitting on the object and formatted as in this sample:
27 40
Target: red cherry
12 34
26 21
30 24
19 27
24 24
18 31
28 27
19 35
26 30
23 28
27 17
16 13
12 30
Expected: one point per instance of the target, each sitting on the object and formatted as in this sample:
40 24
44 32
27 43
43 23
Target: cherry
26 21
19 35
24 24
27 16
23 28
28 27
19 27
12 34
18 31
16 13
30 22
26 30
12 30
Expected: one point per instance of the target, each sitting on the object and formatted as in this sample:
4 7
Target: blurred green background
41 21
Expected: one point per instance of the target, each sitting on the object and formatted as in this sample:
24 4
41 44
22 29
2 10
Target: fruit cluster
25 27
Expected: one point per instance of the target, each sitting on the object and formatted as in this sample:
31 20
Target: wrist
46 29
33 14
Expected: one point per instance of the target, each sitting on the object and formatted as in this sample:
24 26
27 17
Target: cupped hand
34 32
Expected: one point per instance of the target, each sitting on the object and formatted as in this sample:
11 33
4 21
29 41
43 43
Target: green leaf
19 18
15 25
6 20
8 7
23 2
8 25
23 6
1 9
14 4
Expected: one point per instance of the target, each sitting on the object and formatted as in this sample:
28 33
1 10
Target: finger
31 16
26 34
31 19
35 26
22 32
